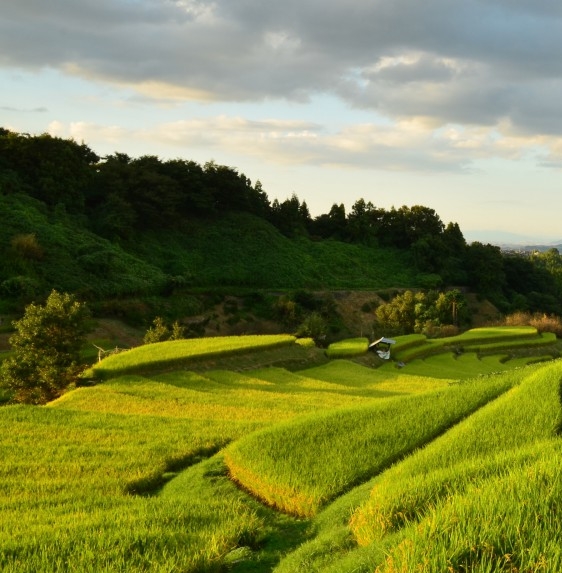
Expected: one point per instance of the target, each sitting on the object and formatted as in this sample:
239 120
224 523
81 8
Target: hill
54 250
116 228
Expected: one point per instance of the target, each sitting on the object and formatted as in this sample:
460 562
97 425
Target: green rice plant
320 390
333 548
300 466
408 341
219 397
78 475
70 493
543 339
172 354
507 522
451 366
347 348
464 366
473 339
306 342
386 378
490 441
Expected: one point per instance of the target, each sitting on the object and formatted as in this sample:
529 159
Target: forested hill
122 226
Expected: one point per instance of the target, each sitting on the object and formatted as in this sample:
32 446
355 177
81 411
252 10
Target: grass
487 338
67 478
333 546
355 378
132 474
348 347
300 466
167 355
466 365
491 449
97 452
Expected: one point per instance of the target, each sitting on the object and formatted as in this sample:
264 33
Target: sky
453 105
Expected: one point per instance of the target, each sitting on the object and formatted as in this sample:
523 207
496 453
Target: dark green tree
364 222
54 170
485 269
313 326
46 349
332 225
291 217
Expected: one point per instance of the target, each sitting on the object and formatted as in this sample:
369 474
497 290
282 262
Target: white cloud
409 145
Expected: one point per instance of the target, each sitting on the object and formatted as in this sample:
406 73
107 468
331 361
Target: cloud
23 110
410 145
476 63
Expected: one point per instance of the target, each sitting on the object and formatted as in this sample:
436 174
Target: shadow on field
151 485
283 537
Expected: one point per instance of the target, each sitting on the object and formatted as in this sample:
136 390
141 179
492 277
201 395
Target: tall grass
80 478
298 467
386 378
496 443
115 477
466 365
504 522
347 348
333 549
492 338
67 498
176 352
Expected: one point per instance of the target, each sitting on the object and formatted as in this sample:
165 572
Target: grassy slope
74 260
300 466
239 250
69 470
491 484
492 445
245 251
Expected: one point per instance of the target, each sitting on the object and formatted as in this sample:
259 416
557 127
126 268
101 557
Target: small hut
382 347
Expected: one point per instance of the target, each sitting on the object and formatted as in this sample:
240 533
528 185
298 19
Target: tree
46 347
332 225
422 312
160 332
314 326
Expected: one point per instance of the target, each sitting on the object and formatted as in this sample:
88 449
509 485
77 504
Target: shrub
546 323
160 332
314 326
27 246
46 349
542 322
447 330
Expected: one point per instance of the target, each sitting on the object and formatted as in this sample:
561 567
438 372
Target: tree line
118 196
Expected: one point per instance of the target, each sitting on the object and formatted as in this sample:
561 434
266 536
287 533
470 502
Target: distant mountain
509 240
555 245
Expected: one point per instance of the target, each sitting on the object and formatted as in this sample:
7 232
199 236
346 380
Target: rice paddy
449 463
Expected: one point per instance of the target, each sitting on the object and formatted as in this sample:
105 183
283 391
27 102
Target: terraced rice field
339 467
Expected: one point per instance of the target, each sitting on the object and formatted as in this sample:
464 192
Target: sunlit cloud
404 146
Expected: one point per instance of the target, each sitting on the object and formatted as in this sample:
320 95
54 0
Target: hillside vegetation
141 472
116 228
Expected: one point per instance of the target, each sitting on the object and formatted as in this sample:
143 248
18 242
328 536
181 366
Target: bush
314 326
46 349
27 246
546 323
160 332
542 322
